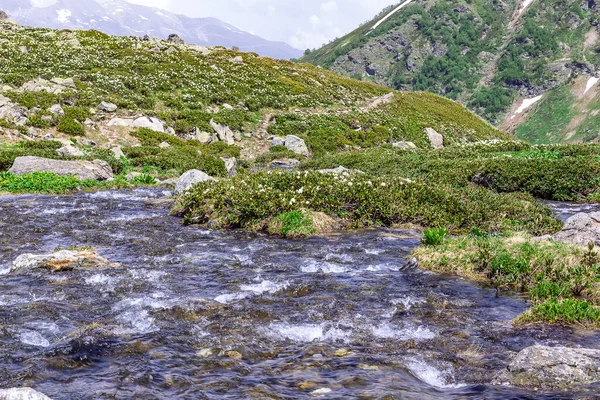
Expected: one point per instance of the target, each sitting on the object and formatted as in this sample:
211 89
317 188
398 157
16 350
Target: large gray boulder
297 145
189 179
581 229
435 138
108 107
63 260
95 170
224 133
550 368
22 394
174 38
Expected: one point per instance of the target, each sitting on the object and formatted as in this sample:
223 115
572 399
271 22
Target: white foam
139 320
528 103
265 286
99 279
306 333
340 258
325 267
229 297
430 374
374 251
407 301
33 338
4 270
389 331
591 83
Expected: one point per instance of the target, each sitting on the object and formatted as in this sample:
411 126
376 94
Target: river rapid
196 314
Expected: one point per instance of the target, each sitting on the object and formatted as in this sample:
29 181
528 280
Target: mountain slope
494 56
117 17
192 88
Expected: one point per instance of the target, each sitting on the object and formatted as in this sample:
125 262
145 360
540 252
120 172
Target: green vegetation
434 236
293 224
561 280
44 182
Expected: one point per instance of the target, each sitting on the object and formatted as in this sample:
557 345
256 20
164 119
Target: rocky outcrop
54 86
60 261
224 133
435 138
237 60
581 229
94 170
12 112
22 393
57 110
151 123
189 179
70 151
175 39
3 16
297 145
550 368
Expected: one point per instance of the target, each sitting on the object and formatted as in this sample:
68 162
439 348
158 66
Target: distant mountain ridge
118 17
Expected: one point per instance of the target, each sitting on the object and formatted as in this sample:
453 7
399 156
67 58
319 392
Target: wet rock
70 151
550 368
321 392
297 145
64 260
21 393
404 145
108 107
189 179
57 110
230 165
224 133
94 170
286 163
581 229
117 152
435 138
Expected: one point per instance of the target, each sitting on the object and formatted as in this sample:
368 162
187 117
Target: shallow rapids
195 314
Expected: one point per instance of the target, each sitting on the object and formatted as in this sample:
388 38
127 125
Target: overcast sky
301 23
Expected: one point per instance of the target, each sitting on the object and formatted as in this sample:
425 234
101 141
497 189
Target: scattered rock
152 123
70 151
108 107
73 43
550 368
164 145
277 141
237 60
189 179
297 145
224 133
59 261
12 112
581 229
68 82
95 170
120 122
435 138
170 131
174 38
21 393
57 110
230 165
404 145
285 163
341 170
202 137
118 153
227 106
56 86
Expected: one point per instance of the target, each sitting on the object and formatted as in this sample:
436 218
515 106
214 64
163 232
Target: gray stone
227 106
68 82
404 145
237 60
550 368
23 49
170 131
70 151
277 141
174 38
341 170
63 260
21 393
297 145
95 170
285 163
581 229
151 123
122 122
435 138
189 179
73 43
57 110
117 152
230 165
56 86
164 145
224 133
203 137
108 107
3 16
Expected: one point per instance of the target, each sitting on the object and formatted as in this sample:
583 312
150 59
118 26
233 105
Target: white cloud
329 6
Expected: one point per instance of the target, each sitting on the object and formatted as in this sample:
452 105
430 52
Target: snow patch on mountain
591 83
527 103
394 11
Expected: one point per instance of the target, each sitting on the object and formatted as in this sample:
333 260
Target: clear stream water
195 314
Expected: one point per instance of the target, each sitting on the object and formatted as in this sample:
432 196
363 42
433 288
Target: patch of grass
434 236
561 280
45 182
293 224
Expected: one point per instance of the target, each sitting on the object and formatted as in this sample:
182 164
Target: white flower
292 200
383 184
301 190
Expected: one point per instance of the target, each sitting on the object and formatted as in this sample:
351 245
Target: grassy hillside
486 54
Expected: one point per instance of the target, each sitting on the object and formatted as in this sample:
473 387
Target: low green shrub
179 158
434 236
45 182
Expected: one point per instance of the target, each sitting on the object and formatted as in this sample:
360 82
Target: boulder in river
581 229
22 394
551 368
94 170
189 179
59 261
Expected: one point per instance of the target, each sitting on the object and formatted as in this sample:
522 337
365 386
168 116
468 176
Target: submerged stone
64 260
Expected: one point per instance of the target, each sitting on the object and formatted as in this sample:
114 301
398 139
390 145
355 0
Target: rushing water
195 314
